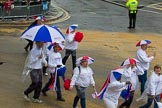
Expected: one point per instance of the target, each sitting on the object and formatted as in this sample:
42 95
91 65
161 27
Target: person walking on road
154 88
35 60
54 64
132 8
144 60
38 21
71 45
81 79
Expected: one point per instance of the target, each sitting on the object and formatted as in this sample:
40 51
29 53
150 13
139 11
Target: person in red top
7 6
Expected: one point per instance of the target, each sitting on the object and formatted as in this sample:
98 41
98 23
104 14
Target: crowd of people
123 78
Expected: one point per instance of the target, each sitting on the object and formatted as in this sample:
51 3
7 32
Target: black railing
23 11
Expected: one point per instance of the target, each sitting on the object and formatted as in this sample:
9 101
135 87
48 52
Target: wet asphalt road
100 15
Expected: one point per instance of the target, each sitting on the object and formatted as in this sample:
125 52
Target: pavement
55 14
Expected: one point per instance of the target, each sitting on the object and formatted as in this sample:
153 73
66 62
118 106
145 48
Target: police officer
132 7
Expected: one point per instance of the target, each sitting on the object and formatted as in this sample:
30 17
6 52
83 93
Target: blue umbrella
43 33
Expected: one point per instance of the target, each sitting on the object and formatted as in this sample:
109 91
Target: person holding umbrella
56 69
34 63
38 21
144 59
81 79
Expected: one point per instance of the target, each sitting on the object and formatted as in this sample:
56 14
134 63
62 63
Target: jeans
143 79
36 85
80 95
150 100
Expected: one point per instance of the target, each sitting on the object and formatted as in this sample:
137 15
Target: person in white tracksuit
154 88
70 45
114 89
131 73
145 61
81 79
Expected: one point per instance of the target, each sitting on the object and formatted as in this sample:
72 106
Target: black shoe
133 27
61 99
44 93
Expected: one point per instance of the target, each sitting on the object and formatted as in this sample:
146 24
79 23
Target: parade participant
114 88
132 7
54 64
38 21
154 88
81 79
71 45
130 73
34 63
144 59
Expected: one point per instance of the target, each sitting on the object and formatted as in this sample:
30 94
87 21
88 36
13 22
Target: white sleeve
74 77
138 69
144 58
152 85
118 86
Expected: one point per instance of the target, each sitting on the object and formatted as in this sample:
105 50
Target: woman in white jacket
131 73
82 78
114 89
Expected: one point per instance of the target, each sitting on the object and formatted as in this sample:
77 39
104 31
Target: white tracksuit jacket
83 78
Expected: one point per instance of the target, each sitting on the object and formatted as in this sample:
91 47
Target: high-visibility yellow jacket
132 5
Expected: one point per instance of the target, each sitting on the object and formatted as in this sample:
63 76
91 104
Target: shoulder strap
79 69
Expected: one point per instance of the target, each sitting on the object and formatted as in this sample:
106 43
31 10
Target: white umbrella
43 33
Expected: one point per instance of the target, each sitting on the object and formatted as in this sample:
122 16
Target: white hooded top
83 78
114 89
131 75
143 58
33 60
54 59
70 43
155 84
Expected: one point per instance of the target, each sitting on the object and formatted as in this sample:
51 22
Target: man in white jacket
144 60
35 60
154 88
81 79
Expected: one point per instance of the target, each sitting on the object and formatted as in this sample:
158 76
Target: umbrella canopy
129 61
71 28
87 58
43 33
142 42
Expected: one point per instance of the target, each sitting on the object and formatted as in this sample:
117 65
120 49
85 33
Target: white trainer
46 74
37 100
26 97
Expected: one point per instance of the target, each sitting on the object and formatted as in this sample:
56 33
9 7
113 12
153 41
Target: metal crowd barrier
23 11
